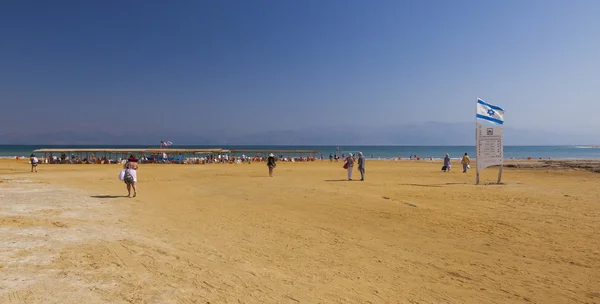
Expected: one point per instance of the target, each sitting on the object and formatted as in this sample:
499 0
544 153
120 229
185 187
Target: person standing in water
34 162
361 165
271 164
466 163
349 164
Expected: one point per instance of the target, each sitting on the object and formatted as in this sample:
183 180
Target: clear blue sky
260 65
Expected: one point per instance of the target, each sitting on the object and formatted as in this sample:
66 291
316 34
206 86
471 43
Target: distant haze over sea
423 134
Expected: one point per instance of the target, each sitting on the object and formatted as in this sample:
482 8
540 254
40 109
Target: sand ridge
229 234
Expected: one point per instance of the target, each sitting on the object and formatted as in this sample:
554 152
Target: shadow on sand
432 185
341 180
107 196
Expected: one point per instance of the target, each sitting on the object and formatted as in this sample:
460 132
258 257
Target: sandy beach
225 233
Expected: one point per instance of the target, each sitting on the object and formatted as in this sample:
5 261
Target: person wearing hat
271 164
447 165
349 164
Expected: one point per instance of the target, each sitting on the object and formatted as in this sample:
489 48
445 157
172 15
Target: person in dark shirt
271 164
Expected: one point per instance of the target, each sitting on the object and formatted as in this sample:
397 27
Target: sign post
490 149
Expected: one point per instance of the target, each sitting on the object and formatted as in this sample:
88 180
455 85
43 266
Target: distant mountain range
423 134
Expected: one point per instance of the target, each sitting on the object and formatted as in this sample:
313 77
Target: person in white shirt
34 162
349 165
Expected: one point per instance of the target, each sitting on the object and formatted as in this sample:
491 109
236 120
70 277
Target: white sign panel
490 147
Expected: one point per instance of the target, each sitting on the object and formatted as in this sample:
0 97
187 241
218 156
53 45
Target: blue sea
374 152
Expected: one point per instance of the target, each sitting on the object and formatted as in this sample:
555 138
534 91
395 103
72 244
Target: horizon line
287 145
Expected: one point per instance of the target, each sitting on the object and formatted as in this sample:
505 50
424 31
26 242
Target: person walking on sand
271 164
361 165
349 164
130 179
34 162
447 165
466 163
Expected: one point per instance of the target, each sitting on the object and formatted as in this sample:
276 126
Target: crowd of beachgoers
207 159
165 158
215 158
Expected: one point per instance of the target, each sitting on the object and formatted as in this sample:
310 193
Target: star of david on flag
489 112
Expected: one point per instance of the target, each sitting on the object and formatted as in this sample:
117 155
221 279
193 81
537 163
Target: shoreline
592 165
378 152
24 158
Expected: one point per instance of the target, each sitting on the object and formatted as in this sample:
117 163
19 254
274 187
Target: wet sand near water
229 234
590 165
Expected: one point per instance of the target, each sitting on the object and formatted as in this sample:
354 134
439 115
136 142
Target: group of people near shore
465 162
244 159
73 159
349 165
349 162
168 159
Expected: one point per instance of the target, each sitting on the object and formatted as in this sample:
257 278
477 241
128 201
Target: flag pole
502 164
500 172
476 148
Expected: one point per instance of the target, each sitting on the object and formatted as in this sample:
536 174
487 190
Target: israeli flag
489 112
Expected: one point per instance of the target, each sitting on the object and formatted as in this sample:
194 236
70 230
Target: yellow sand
229 234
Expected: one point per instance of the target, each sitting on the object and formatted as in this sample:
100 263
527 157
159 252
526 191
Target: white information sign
490 147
